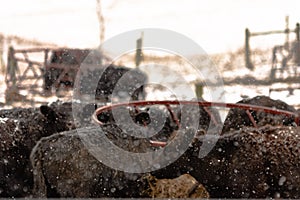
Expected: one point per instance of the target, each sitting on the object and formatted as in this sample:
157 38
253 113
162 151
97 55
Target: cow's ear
49 113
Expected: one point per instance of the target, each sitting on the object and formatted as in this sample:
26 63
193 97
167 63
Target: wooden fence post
2 64
247 50
199 90
12 68
297 53
139 53
297 32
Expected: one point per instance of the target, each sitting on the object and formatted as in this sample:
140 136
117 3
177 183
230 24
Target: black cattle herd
42 154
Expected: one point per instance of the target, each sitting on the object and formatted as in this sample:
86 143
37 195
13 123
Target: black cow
20 130
247 163
237 118
250 163
120 81
63 167
97 79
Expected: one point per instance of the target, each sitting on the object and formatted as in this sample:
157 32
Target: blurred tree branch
101 21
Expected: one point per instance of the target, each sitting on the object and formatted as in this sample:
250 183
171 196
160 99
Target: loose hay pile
185 186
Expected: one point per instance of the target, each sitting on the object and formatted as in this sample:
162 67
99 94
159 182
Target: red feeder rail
204 104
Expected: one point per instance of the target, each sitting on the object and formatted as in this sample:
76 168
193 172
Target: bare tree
101 21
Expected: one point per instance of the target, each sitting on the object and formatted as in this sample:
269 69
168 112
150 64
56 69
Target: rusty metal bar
173 116
212 117
251 118
155 143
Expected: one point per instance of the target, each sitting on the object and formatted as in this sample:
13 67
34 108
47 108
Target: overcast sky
216 25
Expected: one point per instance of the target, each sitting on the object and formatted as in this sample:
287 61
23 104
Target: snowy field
175 79
174 74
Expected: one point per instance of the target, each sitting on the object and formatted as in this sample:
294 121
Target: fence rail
286 31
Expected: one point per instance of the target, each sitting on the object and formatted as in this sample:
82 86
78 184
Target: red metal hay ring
204 104
167 103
